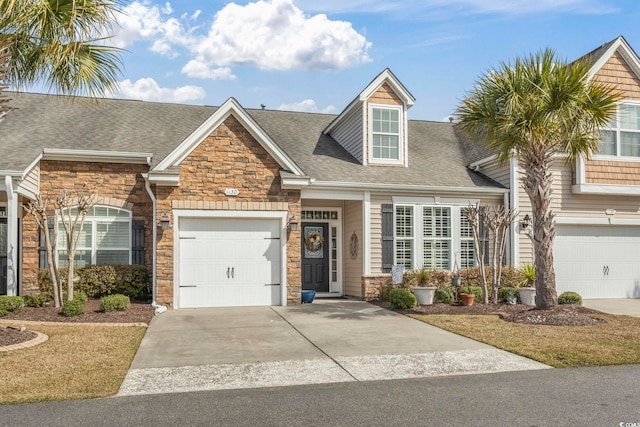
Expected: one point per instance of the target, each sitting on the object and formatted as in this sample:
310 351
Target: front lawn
77 362
614 342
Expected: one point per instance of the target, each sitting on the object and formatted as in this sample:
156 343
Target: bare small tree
497 221
38 208
70 209
474 215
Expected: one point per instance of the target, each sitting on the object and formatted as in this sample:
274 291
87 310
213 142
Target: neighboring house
230 206
597 200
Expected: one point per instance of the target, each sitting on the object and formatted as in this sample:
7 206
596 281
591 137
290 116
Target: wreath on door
314 242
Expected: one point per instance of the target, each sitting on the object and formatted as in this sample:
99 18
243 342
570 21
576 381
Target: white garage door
598 261
229 262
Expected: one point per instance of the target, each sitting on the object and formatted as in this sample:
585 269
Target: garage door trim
185 213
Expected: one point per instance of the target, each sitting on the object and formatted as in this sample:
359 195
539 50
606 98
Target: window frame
617 132
419 239
92 223
401 138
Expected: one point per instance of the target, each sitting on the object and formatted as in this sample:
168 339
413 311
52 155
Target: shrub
476 290
570 297
445 295
402 299
510 277
503 293
117 302
79 295
133 281
34 300
72 308
383 292
10 304
528 275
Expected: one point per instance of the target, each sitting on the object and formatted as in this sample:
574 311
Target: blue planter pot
308 296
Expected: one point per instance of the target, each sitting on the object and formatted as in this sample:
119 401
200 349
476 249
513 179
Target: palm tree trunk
537 183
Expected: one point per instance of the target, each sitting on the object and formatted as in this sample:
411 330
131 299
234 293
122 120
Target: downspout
154 252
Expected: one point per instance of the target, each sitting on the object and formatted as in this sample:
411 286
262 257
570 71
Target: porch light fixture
292 224
526 222
164 221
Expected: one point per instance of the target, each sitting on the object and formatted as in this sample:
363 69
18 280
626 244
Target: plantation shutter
387 238
137 242
44 263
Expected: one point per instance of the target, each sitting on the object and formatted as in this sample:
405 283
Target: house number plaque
231 192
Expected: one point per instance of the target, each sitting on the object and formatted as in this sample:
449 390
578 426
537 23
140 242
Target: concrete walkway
324 342
629 307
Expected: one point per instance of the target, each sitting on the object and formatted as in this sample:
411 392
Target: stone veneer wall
229 158
371 285
118 185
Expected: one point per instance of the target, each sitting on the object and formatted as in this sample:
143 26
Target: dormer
373 127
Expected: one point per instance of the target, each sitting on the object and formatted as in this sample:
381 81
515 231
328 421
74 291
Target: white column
12 237
366 226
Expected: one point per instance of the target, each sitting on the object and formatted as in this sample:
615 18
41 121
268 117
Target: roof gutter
154 257
411 188
63 154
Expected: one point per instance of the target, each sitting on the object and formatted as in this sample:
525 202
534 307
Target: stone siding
371 285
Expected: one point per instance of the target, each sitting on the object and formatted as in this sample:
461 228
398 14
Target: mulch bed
137 313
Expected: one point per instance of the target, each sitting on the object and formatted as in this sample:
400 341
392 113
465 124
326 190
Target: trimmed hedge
34 300
402 299
73 308
116 302
10 304
570 297
445 295
100 280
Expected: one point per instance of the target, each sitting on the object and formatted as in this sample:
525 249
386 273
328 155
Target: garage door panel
229 262
598 261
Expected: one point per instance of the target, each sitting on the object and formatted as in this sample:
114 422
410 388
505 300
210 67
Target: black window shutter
44 263
387 238
137 241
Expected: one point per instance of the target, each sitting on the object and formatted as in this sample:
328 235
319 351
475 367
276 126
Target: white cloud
276 35
307 106
197 69
147 89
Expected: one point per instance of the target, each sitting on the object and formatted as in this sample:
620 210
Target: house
229 206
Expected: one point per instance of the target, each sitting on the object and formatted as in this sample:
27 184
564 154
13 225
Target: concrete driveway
324 342
629 307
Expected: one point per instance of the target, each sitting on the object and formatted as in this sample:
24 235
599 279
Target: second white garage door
598 261
229 262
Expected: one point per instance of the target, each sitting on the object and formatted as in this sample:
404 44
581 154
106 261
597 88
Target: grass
77 362
614 342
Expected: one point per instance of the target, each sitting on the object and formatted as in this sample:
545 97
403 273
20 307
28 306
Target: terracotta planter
424 294
467 299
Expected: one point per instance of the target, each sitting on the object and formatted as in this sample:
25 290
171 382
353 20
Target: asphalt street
603 396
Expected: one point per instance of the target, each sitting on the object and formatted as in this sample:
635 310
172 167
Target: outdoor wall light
292 225
164 221
526 222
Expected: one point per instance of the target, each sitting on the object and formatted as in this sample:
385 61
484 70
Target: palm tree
59 43
533 109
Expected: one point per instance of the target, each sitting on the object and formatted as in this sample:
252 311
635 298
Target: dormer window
385 134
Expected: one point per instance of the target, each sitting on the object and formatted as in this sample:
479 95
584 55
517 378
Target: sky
316 56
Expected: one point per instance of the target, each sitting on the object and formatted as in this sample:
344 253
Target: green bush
34 300
476 290
99 280
72 308
445 295
10 304
79 295
117 302
402 299
570 297
503 294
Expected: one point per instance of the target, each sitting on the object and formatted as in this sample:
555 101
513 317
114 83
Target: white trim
164 180
366 229
154 241
396 188
230 107
365 136
433 201
608 189
294 182
625 50
482 162
31 166
328 194
12 237
64 154
596 221
188 213
514 203
402 141
580 170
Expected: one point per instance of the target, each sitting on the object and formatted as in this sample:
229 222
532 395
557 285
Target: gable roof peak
602 54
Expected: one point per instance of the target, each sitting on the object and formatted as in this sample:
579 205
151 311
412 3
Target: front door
315 257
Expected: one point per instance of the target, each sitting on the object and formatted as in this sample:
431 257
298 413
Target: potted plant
466 296
525 287
423 292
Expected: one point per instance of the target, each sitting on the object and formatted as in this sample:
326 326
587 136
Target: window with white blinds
105 238
404 235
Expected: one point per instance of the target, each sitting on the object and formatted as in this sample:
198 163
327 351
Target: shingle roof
438 157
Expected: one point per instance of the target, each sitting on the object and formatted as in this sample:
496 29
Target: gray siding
348 133
496 171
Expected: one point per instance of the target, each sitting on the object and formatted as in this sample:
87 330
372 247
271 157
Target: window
105 238
385 134
432 236
621 136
